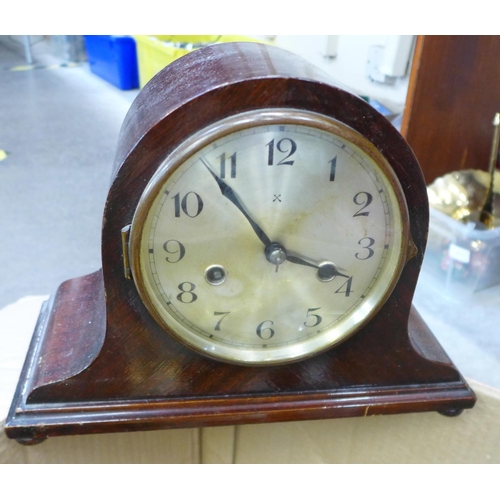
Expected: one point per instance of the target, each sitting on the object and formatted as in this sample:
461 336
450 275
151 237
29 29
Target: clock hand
327 270
302 262
275 253
228 192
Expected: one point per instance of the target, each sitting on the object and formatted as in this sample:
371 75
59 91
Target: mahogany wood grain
136 376
453 94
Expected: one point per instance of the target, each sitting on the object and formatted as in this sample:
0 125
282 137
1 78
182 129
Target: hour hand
325 271
228 192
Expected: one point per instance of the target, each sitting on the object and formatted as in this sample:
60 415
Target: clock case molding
98 362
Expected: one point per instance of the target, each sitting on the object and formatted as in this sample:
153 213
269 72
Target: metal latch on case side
126 261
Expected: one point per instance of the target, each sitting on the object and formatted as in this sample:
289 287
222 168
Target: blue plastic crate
113 58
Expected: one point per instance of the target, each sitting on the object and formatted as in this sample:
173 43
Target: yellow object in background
154 52
3 155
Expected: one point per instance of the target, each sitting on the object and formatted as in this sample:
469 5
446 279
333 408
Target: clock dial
269 237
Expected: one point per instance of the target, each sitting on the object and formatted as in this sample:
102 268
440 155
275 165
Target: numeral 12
283 146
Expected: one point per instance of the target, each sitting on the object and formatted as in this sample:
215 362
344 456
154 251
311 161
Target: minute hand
231 196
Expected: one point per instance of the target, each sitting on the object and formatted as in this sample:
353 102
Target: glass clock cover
269 237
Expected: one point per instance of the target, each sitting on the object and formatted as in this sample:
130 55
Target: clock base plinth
86 409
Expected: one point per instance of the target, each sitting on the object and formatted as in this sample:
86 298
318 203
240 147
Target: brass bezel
236 123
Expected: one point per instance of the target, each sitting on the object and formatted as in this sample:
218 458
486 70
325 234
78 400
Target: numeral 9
181 250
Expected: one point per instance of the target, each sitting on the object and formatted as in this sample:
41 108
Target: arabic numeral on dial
176 250
265 332
191 204
346 288
223 165
318 319
223 314
187 296
366 246
333 168
362 198
283 146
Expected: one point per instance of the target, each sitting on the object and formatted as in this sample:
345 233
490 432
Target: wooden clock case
98 362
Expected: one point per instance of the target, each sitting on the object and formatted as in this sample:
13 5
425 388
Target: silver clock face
269 237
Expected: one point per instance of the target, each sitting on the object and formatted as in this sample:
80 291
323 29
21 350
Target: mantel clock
261 244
